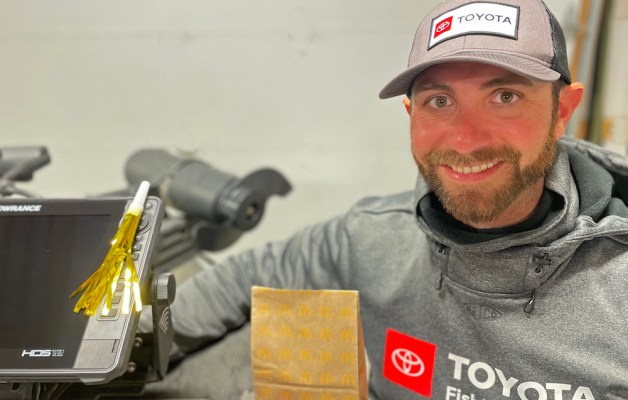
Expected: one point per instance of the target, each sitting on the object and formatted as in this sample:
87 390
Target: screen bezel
105 345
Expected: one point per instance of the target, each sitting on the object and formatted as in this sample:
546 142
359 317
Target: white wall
242 84
616 81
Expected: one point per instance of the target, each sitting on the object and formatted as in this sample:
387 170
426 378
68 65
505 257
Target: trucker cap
522 36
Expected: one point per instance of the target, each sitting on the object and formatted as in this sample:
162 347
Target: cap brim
514 63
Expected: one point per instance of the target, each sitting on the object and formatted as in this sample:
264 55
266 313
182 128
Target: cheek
528 137
424 136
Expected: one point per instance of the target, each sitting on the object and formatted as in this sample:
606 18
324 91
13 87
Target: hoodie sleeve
218 299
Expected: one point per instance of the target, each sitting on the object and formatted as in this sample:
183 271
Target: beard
481 204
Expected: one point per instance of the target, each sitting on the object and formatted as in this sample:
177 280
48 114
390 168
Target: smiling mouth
472 169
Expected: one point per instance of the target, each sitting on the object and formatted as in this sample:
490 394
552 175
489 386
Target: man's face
483 138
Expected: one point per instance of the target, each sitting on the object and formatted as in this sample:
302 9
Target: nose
471 130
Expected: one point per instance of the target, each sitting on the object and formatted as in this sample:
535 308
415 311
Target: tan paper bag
307 345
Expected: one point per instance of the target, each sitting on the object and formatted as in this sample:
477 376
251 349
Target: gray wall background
241 84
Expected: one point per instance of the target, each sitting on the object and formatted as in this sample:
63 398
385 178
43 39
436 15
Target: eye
439 101
506 97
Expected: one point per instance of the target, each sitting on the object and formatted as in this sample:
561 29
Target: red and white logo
443 26
409 362
478 17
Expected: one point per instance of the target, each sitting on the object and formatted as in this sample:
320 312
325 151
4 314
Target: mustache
452 157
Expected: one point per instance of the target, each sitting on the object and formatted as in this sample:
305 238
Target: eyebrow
511 80
421 87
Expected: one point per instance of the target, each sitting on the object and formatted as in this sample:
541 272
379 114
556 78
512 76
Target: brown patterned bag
307 345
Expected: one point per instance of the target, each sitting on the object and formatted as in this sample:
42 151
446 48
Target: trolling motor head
221 205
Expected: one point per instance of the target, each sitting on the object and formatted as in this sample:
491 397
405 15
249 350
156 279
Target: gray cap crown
522 36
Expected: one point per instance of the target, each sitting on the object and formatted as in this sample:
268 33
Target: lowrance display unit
47 249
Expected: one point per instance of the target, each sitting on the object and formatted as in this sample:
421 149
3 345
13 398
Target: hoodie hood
593 184
601 177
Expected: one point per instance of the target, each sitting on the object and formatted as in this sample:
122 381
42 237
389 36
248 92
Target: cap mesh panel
560 61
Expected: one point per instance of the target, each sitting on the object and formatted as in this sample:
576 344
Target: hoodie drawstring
529 307
441 249
439 282
542 261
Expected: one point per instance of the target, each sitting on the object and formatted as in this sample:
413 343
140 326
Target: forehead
453 72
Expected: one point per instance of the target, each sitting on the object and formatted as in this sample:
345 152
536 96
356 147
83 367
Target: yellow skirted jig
118 263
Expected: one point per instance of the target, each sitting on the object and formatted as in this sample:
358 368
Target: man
503 275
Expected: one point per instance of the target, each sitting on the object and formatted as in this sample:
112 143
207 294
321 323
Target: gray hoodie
538 313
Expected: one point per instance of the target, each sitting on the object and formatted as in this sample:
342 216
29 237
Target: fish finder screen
43 259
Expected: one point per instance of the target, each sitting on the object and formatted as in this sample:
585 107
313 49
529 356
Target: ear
570 97
408 104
